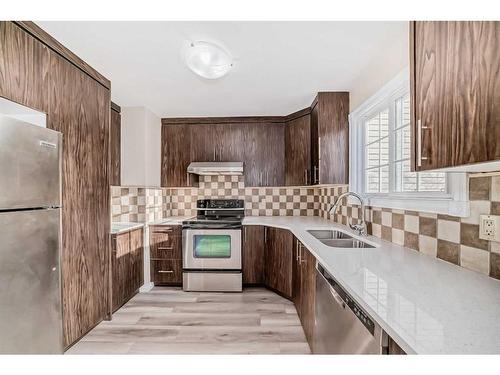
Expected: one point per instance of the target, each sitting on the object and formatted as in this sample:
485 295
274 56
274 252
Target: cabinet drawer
165 242
166 271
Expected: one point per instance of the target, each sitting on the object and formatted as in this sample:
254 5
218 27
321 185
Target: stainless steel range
211 246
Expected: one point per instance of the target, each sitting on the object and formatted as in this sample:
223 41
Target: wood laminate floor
171 321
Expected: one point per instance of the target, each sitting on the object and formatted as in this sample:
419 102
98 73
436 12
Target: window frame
453 201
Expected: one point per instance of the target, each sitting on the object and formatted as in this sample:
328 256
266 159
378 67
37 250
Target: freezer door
30 293
29 165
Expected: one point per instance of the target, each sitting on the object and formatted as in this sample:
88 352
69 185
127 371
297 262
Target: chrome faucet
359 228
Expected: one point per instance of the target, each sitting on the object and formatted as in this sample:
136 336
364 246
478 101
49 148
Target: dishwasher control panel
349 302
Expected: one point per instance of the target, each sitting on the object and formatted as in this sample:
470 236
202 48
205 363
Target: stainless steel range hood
216 168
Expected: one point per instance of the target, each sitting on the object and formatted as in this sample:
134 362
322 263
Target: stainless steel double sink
337 239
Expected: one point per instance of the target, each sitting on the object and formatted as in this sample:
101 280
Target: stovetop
217 214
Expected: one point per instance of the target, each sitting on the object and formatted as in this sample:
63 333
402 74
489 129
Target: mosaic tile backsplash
449 238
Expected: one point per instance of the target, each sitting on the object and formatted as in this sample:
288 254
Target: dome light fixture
208 60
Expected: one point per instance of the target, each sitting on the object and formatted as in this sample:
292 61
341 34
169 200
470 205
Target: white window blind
387 153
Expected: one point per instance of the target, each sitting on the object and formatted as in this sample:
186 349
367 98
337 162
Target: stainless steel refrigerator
30 238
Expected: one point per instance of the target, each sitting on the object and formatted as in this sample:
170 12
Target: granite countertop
123 227
428 306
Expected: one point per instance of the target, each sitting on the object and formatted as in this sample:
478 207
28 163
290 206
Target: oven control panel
223 204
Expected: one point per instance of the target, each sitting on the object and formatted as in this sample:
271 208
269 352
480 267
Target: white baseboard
146 288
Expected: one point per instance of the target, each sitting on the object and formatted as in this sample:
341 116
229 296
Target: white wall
381 70
140 147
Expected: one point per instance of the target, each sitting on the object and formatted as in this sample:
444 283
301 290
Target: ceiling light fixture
208 60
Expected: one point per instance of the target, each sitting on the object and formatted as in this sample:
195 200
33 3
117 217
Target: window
380 153
387 152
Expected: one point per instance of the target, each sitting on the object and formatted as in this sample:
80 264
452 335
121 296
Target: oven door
211 249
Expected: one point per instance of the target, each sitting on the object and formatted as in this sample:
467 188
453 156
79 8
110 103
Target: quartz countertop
428 306
123 227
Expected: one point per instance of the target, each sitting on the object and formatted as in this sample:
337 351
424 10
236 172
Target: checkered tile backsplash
259 201
452 239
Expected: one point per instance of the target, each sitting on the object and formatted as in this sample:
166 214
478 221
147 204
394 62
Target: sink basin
327 234
351 243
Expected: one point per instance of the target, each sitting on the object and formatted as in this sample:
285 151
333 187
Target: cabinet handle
316 175
297 255
187 179
166 230
305 177
265 235
165 248
214 154
302 258
165 271
419 143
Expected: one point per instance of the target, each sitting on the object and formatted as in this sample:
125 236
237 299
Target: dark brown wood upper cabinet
260 145
279 260
455 92
175 155
253 254
310 146
264 155
298 151
330 138
115 144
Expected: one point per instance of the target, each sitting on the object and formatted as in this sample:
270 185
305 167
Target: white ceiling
279 66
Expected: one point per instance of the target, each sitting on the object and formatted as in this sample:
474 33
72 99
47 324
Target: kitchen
217 196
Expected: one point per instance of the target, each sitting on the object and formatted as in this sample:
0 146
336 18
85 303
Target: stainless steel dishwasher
342 327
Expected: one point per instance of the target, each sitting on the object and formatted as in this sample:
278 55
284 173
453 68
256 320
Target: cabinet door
278 265
120 268
137 261
264 154
230 142
455 87
203 138
253 254
165 242
80 109
297 277
333 137
24 68
394 348
115 152
298 151
307 291
314 144
175 156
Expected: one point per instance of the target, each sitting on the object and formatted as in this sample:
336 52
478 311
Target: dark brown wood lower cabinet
307 291
296 276
253 254
165 244
127 266
166 272
278 260
395 348
304 287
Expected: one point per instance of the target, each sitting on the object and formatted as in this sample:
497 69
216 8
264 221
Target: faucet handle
359 228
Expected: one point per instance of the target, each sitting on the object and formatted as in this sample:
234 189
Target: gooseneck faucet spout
359 228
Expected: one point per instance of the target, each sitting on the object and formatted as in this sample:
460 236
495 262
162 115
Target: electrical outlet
489 227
